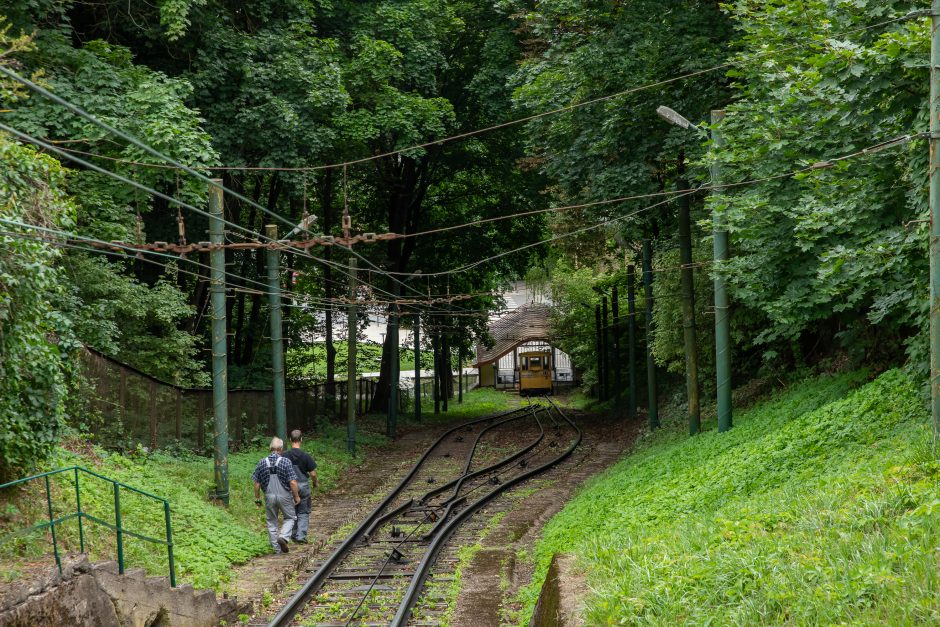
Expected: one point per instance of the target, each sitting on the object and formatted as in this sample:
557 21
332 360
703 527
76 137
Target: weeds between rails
414 522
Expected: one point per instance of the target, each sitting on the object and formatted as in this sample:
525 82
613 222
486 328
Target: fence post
122 398
117 526
631 314
460 373
598 346
153 415
169 543
435 347
418 367
605 347
78 509
55 544
652 401
394 365
615 353
179 414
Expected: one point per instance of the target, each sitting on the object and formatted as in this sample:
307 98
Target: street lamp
688 289
722 318
678 119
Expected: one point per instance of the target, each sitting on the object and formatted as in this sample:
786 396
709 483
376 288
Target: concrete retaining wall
98 595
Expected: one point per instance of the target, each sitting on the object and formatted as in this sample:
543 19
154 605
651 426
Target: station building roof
527 323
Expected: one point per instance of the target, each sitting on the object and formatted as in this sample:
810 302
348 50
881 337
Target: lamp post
722 317
686 278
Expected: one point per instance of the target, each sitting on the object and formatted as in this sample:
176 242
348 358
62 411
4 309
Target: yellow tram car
535 373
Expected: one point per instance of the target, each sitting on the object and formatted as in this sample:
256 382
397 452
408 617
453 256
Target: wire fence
132 408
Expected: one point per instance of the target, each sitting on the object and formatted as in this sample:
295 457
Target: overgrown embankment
822 505
208 538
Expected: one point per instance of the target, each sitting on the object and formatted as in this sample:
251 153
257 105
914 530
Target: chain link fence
133 408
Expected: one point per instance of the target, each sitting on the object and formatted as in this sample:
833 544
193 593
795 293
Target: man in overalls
275 476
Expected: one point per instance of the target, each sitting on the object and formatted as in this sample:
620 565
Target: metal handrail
81 515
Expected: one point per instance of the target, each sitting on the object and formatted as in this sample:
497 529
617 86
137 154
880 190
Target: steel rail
466 470
506 460
424 568
287 613
456 500
381 520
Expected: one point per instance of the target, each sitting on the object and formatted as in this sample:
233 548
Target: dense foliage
34 340
829 255
826 261
271 84
818 507
823 262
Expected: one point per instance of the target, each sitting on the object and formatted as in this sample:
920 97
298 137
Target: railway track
377 575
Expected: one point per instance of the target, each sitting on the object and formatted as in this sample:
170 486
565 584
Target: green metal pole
631 325
169 543
394 367
436 348
615 352
600 352
219 341
935 216
418 368
460 373
605 346
722 312
447 374
117 527
351 359
55 544
653 411
277 341
78 509
688 306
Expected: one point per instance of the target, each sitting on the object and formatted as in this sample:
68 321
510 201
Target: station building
524 329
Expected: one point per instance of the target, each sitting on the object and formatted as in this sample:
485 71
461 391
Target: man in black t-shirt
306 470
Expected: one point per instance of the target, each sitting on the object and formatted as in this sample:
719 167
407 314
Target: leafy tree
35 340
580 51
826 259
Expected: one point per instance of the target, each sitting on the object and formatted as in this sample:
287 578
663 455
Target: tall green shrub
34 338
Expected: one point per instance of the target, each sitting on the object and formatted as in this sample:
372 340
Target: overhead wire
28 138
819 165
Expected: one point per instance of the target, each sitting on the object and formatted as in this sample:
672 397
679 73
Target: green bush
34 339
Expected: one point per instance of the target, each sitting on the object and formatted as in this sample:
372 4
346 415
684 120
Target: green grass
820 506
477 403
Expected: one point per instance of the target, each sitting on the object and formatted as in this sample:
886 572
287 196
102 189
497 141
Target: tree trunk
408 181
274 191
243 271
